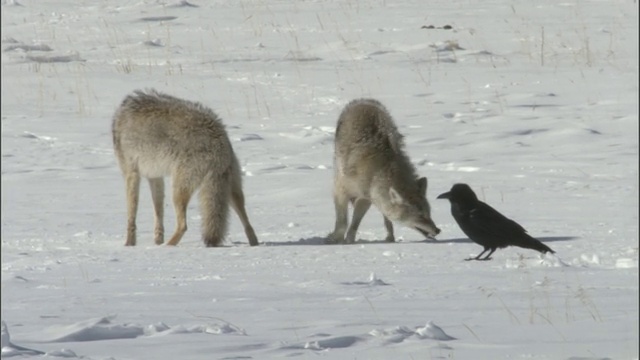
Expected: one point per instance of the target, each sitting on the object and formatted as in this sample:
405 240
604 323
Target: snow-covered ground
532 103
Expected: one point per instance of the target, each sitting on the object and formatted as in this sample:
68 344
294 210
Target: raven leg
489 254
478 257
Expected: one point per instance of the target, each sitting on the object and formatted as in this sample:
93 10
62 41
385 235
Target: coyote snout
371 167
157 135
414 212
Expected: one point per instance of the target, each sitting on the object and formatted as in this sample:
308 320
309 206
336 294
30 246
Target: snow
533 104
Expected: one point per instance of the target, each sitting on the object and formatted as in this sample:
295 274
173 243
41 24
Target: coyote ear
422 186
395 197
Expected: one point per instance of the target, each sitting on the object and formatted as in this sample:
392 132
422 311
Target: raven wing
488 227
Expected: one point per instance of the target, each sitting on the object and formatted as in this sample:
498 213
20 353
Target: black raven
485 225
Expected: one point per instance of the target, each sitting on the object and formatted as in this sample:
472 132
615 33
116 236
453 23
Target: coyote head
411 209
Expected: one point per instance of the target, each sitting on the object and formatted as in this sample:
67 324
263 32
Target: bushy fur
371 167
157 135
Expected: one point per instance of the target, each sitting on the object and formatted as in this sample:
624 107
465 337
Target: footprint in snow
395 335
433 331
184 3
250 137
158 18
399 334
332 343
373 281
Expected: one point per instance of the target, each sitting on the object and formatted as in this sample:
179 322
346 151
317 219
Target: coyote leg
181 197
360 208
237 201
132 180
341 203
389 226
157 193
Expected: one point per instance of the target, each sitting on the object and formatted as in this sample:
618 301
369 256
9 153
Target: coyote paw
333 239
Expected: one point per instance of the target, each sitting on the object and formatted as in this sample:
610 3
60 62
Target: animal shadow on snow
314 240
319 240
467 240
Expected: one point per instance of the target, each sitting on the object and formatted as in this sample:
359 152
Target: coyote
157 135
370 166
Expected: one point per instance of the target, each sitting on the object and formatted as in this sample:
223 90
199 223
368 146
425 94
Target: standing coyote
157 135
370 166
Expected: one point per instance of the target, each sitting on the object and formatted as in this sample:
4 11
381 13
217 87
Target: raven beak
444 196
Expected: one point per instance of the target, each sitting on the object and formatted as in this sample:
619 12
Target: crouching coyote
371 167
157 135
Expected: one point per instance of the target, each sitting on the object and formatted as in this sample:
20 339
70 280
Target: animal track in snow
105 329
55 58
250 137
158 18
401 333
390 336
373 281
452 167
28 47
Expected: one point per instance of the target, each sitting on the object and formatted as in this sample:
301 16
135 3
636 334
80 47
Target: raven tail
531 243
